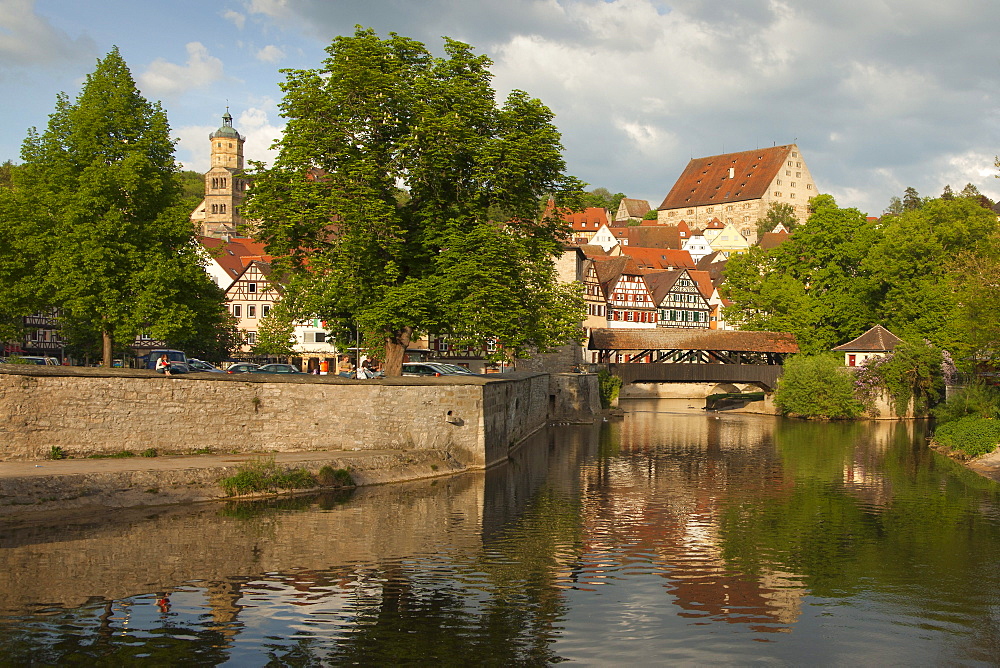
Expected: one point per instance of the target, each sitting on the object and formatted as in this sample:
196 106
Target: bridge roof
672 338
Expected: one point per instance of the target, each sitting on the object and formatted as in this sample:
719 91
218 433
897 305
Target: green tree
910 266
465 253
911 199
779 213
274 334
812 285
102 236
817 386
652 214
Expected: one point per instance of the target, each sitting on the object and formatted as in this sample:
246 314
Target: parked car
242 367
276 368
200 365
178 360
32 359
432 369
456 369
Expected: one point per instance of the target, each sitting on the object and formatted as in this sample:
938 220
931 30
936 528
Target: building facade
738 188
219 214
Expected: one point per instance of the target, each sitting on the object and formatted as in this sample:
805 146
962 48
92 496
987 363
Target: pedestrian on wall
345 368
365 371
163 365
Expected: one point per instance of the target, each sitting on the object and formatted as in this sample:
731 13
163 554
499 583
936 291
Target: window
215 208
788 172
690 211
792 195
809 186
778 182
237 310
252 288
222 208
215 182
628 315
794 154
789 163
793 184
798 164
251 338
319 337
709 209
798 175
251 311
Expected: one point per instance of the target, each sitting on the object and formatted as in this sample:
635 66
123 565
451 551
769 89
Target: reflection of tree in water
501 609
869 508
92 635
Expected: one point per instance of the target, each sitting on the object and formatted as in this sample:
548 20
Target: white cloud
238 20
270 54
29 40
167 79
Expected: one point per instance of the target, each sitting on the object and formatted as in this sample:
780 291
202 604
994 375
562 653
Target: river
671 536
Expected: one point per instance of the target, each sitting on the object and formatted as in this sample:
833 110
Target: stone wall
88 411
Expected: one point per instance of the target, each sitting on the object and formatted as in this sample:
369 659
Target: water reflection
673 535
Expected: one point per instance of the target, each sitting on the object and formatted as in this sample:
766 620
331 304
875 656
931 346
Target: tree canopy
464 253
924 272
92 224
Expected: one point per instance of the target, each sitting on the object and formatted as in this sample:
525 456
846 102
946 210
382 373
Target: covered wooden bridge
690 355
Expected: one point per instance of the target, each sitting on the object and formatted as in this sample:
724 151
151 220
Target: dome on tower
226 129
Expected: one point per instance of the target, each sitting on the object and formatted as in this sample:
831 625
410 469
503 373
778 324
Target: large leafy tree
93 224
463 252
811 285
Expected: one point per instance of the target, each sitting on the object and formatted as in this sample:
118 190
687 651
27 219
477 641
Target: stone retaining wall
90 411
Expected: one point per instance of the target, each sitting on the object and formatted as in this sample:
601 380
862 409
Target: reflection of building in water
661 501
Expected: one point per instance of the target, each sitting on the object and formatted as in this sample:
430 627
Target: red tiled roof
704 281
878 339
661 282
654 236
772 240
636 208
707 181
236 254
590 219
669 338
659 258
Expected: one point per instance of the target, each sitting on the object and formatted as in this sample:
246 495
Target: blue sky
879 94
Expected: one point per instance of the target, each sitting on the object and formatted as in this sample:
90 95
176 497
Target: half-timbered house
629 302
679 300
251 297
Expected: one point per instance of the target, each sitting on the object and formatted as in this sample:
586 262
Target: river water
672 536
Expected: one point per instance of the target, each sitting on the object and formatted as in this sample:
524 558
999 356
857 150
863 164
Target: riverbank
37 489
987 466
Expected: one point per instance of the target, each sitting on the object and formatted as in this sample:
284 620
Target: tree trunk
395 349
106 347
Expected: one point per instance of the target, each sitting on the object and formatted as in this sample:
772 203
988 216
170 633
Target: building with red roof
738 188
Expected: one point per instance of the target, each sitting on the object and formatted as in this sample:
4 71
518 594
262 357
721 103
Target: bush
913 371
264 475
55 452
331 477
978 399
608 387
972 435
817 386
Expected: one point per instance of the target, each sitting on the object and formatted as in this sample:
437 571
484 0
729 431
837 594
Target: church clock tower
219 214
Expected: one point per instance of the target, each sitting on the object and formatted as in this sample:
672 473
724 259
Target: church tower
219 213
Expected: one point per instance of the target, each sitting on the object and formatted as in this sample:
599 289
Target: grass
124 454
264 475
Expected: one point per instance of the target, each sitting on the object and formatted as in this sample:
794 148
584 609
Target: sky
878 94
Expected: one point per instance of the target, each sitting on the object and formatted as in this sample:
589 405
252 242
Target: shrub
608 387
972 435
331 477
264 475
978 399
150 452
817 386
913 371
55 452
